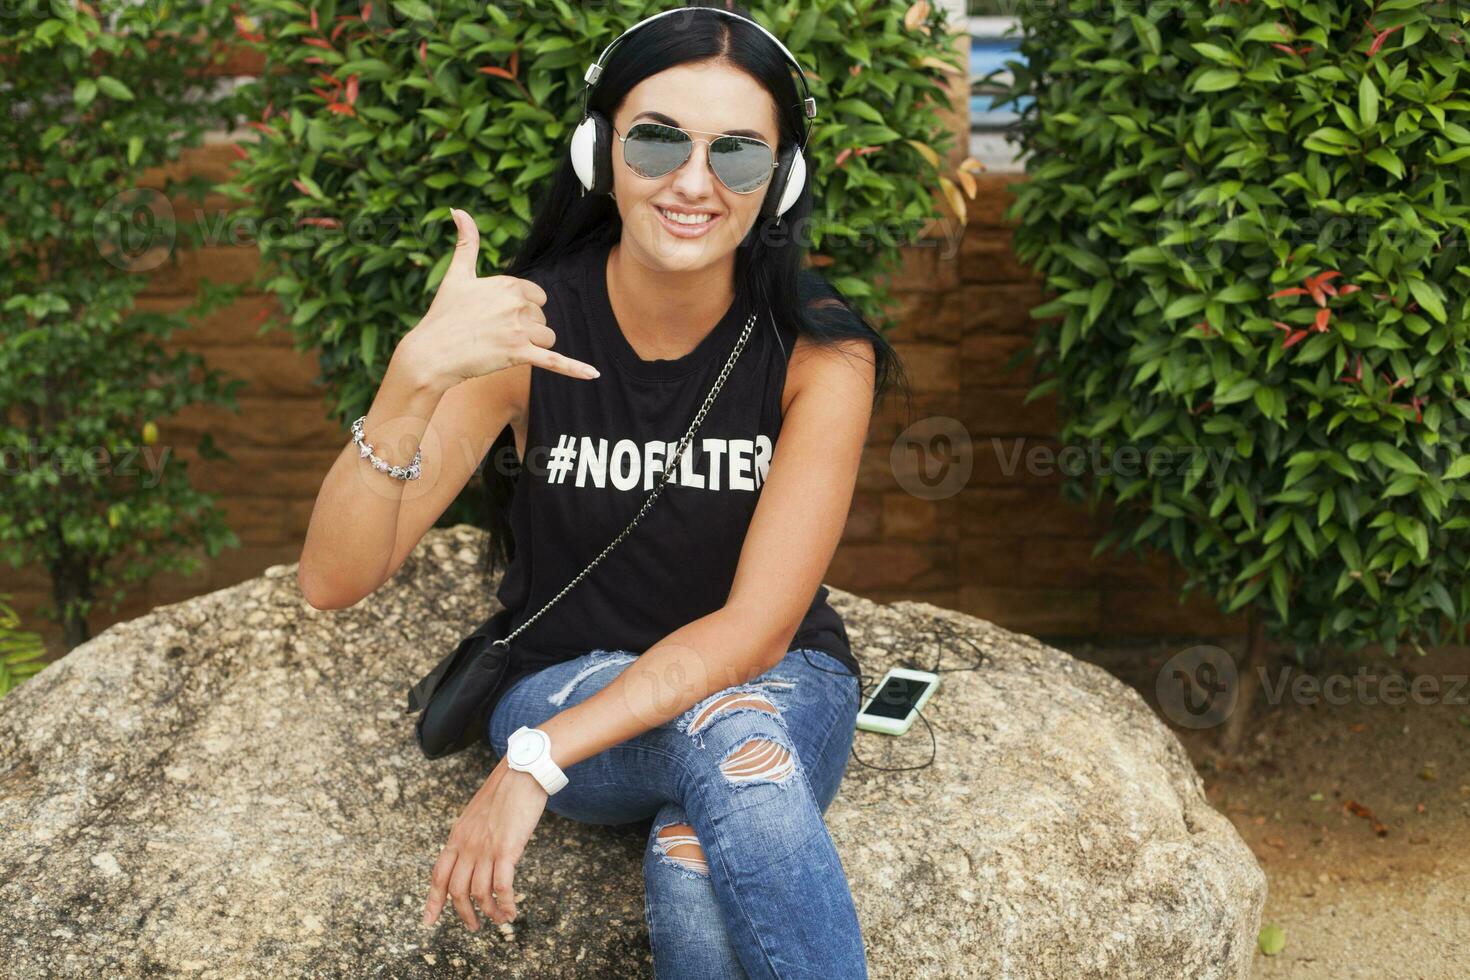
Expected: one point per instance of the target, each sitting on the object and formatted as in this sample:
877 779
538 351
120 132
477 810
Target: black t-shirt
595 451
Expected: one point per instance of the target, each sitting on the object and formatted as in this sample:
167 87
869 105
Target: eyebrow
669 121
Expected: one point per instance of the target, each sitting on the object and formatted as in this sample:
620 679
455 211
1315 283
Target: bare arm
365 523
450 390
792 536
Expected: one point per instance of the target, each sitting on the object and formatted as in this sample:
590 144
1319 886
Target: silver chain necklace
668 471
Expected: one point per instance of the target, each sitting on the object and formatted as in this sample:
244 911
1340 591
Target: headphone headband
808 104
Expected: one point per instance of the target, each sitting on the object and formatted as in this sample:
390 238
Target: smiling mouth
688 220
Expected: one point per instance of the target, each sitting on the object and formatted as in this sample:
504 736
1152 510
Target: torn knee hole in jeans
599 660
678 846
747 697
758 760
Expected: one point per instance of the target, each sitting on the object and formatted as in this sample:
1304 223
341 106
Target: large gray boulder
229 787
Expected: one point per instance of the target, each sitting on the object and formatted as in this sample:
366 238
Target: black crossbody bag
457 696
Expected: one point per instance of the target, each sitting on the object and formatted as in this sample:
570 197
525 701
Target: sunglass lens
653 150
744 165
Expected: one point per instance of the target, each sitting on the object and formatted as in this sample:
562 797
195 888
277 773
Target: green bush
372 131
1253 217
20 652
83 375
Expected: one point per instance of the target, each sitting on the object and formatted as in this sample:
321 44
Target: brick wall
1006 546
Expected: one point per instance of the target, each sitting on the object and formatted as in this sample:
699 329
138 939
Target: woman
730 732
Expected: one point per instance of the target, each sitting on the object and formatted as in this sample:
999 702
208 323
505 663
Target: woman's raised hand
477 326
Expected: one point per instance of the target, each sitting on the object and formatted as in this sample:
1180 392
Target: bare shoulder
847 364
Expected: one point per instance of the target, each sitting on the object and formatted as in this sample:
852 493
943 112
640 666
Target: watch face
527 747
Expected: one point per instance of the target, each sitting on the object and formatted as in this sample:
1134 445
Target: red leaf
424 51
239 151
314 60
324 94
842 157
1293 339
515 61
300 187
317 42
1293 291
322 222
342 108
1320 325
1378 41
1283 47
1349 289
497 72
863 151
256 124
315 24
352 90
1282 326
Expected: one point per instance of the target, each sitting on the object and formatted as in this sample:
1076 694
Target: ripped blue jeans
741 878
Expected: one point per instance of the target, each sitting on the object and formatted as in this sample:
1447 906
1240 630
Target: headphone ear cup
592 153
795 181
785 186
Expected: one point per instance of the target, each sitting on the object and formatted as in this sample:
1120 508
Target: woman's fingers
466 248
560 363
480 886
439 886
459 891
504 877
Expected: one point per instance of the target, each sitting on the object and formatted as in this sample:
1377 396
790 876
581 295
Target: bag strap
668 471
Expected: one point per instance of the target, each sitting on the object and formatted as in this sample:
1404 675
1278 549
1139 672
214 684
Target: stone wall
1005 547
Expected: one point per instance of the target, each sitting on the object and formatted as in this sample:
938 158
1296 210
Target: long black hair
768 264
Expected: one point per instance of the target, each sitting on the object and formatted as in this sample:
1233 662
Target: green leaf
1428 296
1367 101
83 93
1271 939
1394 458
114 89
1215 80
1387 159
368 346
1186 305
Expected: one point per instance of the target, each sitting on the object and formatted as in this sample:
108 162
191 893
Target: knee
761 752
677 845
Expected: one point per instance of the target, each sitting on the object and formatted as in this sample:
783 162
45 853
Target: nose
694 179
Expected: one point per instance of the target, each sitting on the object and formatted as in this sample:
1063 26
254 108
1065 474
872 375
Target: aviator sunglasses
654 150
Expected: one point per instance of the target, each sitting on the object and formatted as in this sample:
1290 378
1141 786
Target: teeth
686 219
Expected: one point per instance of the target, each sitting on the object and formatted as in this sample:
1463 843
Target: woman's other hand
477 326
486 843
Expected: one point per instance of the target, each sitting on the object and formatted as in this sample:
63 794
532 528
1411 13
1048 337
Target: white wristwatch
529 750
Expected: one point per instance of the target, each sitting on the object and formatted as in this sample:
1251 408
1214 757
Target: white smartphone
893 707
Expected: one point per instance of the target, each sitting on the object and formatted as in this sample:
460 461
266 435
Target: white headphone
591 149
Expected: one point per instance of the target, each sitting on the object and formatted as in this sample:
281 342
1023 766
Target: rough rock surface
229 787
